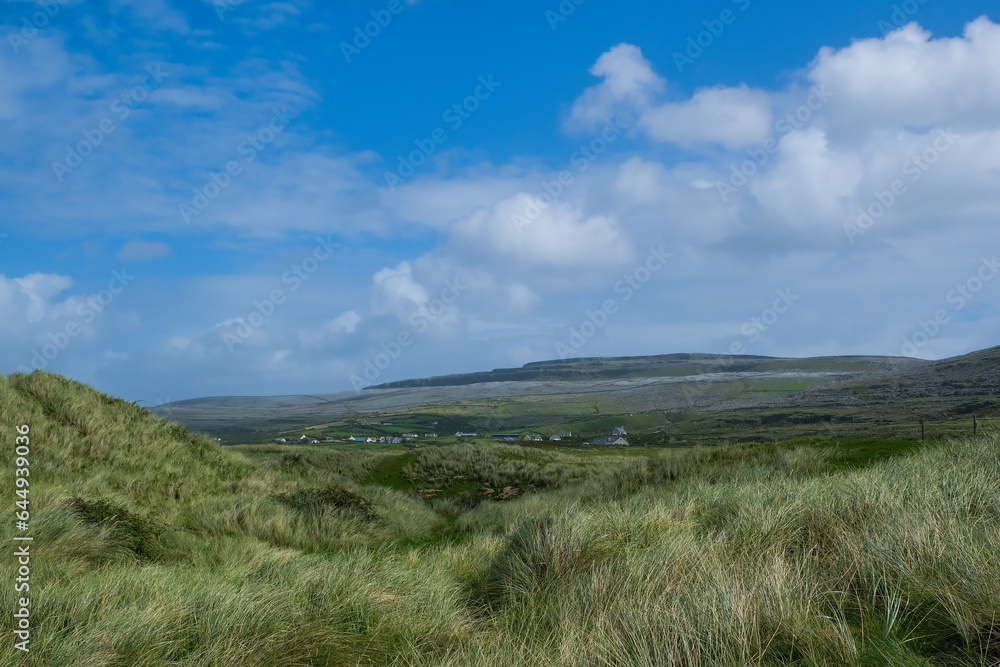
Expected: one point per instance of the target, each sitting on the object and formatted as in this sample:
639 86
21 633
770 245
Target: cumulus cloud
332 331
812 186
733 117
910 79
396 290
881 109
431 303
629 81
521 230
345 322
907 79
40 321
36 291
669 205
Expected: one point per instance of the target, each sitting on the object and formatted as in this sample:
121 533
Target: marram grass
155 546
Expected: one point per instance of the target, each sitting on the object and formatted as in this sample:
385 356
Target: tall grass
155 546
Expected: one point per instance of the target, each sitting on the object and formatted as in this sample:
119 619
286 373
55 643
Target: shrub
310 501
137 534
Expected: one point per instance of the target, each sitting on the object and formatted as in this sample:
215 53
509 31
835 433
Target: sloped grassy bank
156 546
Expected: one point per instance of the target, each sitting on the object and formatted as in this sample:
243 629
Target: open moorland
155 545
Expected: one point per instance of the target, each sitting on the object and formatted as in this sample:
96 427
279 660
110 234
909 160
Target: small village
618 437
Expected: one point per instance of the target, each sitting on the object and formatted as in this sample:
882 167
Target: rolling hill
697 396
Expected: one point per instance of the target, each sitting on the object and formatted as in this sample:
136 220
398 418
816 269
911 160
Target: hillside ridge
666 365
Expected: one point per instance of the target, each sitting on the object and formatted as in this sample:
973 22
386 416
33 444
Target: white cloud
559 236
255 18
346 322
396 291
522 298
41 325
663 204
143 250
628 80
438 202
35 293
45 64
156 14
54 93
908 78
812 186
733 117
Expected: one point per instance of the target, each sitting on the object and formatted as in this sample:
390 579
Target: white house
610 440
619 430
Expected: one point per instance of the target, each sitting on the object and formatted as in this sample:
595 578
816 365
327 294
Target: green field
156 546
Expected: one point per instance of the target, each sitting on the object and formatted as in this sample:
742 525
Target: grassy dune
154 546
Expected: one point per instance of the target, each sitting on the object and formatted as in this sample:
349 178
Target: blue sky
238 197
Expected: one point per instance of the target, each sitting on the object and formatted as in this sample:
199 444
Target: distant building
430 435
610 440
554 438
281 440
619 430
358 439
504 436
459 434
410 436
394 440
563 434
303 438
533 438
